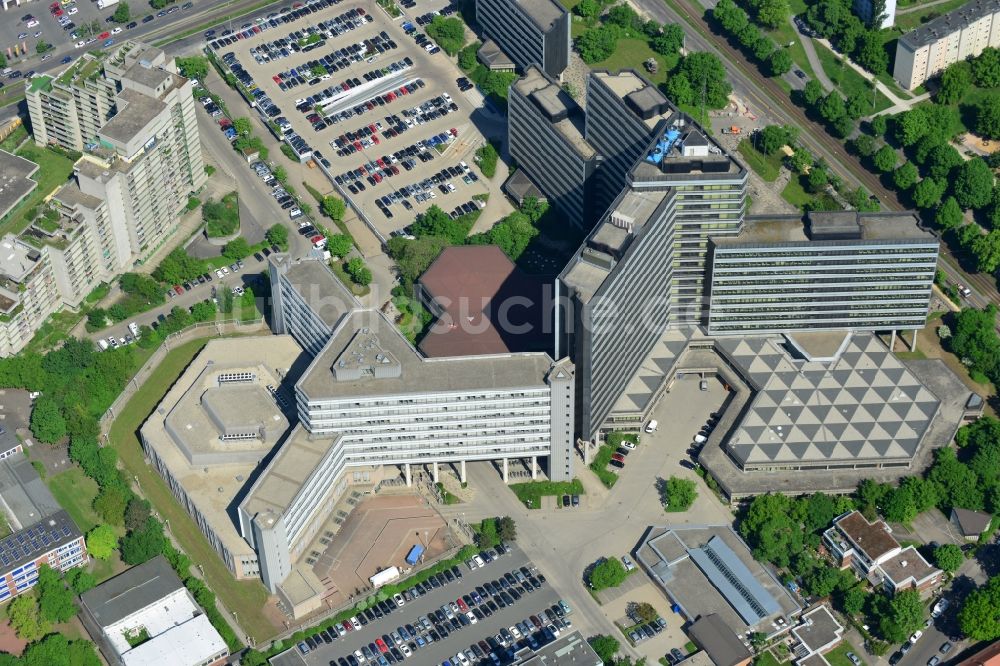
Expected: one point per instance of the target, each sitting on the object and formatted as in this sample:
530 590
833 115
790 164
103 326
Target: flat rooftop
318 286
863 406
640 96
874 539
828 227
570 649
135 112
212 472
908 567
682 151
709 570
415 374
25 496
543 12
819 630
147 75
16 258
130 591
946 24
596 259
561 110
16 180
194 641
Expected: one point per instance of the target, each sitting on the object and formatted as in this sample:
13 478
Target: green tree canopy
144 544
955 82
885 159
679 493
333 207
597 44
928 193
606 647
55 600
669 41
973 184
277 234
123 13
102 541
780 62
980 614
986 68
988 117
948 557
900 616
706 72
905 176
47 422
195 67
25 618
608 573
339 245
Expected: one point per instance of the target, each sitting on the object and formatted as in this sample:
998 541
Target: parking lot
434 627
382 114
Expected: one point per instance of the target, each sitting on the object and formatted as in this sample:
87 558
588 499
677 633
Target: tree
506 529
986 68
959 484
80 580
780 62
864 145
102 541
413 257
25 618
857 104
772 13
55 600
772 528
901 616
773 137
942 160
955 81
606 647
973 184
333 207
97 319
899 506
680 90
988 117
669 41
885 159
467 56
43 47
111 502
948 557
607 573
879 125
277 234
144 544
448 32
195 67
820 511
905 176
817 180
679 494
339 245
359 273
928 193
706 73
123 13
597 44
980 614
843 126
47 422
870 53
588 9
832 108
911 126
853 600
236 249
57 650
987 251
813 92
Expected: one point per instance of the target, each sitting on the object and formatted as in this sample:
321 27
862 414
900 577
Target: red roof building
482 302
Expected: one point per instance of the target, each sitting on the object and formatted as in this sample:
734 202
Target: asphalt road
973 573
437 652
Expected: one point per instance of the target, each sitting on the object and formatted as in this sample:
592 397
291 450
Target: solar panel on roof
731 577
65 530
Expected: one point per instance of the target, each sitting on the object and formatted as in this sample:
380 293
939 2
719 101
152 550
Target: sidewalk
813 58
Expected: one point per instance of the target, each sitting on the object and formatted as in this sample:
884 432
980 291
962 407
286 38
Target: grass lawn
766 166
75 492
337 267
54 330
55 171
786 34
531 493
847 79
600 466
631 53
795 194
838 655
248 597
768 659
910 20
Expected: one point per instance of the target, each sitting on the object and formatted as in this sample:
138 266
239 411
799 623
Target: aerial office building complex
133 116
545 133
953 37
870 272
527 32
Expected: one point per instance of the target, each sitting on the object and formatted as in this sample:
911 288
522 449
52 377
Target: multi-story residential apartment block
545 133
28 293
133 116
865 10
370 400
529 32
829 271
875 555
43 533
960 34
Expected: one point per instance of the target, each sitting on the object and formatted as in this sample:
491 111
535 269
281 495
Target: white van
103 344
700 439
652 426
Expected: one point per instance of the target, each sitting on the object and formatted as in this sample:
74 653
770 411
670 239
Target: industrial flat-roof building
545 135
953 37
827 271
525 33
145 616
708 570
219 421
369 399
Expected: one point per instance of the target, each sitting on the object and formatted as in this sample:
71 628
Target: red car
380 644
454 132
57 12
104 35
179 289
347 625
462 605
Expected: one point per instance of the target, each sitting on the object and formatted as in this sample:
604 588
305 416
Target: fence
192 332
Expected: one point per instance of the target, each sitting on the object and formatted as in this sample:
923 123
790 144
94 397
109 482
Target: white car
72 10
117 30
405 649
472 618
652 426
628 445
219 273
940 607
355 622
398 598
628 563
479 561
32 23
514 631
462 659
916 637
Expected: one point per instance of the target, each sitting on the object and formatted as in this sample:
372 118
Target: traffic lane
529 604
254 194
198 293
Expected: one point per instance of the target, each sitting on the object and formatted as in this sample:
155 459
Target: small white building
146 617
